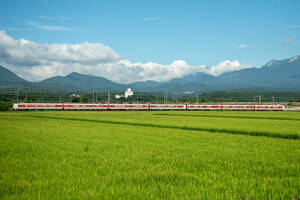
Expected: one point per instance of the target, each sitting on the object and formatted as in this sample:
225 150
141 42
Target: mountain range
283 75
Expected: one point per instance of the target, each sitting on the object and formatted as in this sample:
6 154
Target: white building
127 94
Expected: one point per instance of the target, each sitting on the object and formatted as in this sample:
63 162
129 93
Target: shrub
5 106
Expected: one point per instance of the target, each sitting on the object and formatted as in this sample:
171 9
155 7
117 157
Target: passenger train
70 106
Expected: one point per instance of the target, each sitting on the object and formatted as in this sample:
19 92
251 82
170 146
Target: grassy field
150 155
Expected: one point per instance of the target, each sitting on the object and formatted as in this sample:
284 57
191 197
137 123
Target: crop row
216 130
227 116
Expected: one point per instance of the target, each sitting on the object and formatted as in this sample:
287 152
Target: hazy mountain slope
76 81
145 86
192 82
8 78
283 74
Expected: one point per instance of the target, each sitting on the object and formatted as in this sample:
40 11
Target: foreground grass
45 158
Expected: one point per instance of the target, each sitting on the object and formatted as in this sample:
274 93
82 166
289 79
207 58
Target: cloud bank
36 62
242 46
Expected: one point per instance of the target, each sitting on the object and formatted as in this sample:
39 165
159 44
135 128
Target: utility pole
273 99
108 97
93 96
197 98
259 99
166 95
25 98
17 96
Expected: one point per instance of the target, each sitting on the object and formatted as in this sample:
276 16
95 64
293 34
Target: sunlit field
150 155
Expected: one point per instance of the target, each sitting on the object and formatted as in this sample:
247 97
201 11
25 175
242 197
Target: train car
203 107
15 106
37 106
235 107
129 106
238 107
86 106
167 107
269 107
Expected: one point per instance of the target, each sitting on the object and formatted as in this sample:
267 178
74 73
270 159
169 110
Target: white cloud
242 46
46 17
150 19
226 66
288 41
47 27
54 18
27 53
36 62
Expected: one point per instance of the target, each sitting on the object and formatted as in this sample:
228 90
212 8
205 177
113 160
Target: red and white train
70 106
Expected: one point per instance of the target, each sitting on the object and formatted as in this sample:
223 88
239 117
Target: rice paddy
150 155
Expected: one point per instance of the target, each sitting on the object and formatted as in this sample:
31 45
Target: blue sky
198 32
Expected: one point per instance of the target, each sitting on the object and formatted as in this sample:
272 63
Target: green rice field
150 155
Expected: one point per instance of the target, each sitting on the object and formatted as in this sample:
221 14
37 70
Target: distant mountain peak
294 58
8 77
74 74
271 63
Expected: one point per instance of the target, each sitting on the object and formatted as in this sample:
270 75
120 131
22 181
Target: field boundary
214 130
225 116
